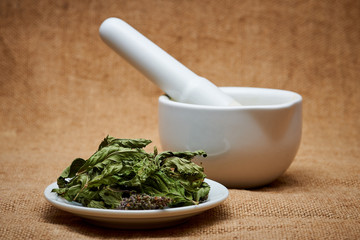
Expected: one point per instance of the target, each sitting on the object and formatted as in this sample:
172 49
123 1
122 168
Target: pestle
176 80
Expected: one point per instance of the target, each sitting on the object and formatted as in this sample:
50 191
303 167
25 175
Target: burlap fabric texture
62 90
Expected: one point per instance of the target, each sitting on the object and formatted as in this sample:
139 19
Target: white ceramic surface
247 146
139 219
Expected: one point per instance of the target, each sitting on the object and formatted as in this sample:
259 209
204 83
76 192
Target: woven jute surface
62 90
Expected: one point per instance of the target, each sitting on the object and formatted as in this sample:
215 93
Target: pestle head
201 91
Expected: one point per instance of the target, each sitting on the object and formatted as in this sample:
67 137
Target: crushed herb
122 175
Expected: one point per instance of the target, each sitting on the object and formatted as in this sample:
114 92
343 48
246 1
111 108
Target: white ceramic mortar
248 146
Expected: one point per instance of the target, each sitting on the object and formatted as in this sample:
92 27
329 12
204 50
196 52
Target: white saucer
139 219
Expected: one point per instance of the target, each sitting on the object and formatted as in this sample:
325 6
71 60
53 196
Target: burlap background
62 90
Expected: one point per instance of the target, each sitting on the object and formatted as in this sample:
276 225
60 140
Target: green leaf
71 192
127 143
70 171
111 197
202 192
97 157
106 176
96 204
122 167
183 166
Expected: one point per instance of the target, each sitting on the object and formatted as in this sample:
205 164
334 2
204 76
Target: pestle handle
166 72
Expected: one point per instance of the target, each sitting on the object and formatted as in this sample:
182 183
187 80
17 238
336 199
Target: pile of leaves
122 175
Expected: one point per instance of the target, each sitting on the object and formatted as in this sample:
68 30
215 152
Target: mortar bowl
247 146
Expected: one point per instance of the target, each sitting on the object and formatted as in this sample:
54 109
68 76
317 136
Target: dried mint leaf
122 175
